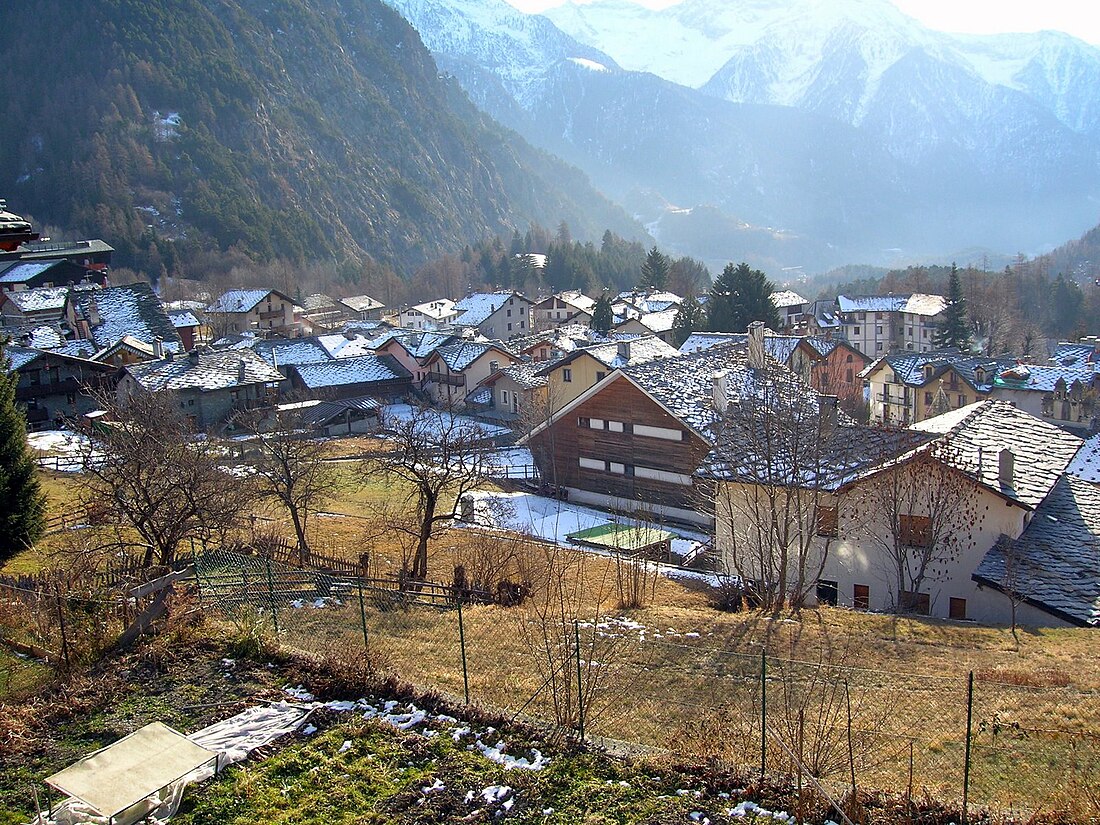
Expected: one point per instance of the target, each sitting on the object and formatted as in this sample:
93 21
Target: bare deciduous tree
437 457
926 514
289 468
159 478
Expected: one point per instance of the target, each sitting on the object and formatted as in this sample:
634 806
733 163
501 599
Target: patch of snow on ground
591 65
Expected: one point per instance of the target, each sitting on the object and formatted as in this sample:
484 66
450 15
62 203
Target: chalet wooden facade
617 446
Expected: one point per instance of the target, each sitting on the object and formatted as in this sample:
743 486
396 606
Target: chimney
158 348
718 390
93 313
242 372
624 350
1006 468
756 345
193 356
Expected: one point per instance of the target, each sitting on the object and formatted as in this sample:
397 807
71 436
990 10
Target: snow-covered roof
18 356
129 309
239 300
621 353
418 344
787 298
182 318
192 306
920 368
206 372
659 321
922 304
42 299
41 336
1040 378
575 298
699 341
1086 464
1055 563
918 303
318 302
475 309
280 352
318 413
364 369
1067 353
346 346
975 434
439 310
527 374
461 354
25 270
361 303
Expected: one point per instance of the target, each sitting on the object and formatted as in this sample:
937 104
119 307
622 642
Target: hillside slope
304 129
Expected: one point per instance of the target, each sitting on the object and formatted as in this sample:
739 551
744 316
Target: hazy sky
1077 17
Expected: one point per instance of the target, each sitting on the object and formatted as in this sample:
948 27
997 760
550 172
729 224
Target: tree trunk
420 560
300 532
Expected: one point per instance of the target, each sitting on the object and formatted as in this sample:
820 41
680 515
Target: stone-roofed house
412 349
1074 353
266 311
568 307
53 387
512 393
373 376
877 325
635 439
34 274
209 387
999 465
792 309
284 353
363 307
497 315
1064 395
106 316
430 316
29 306
572 374
1051 571
454 369
94 255
651 323
187 325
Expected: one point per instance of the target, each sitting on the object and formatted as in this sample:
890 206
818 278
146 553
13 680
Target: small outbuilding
129 779
638 540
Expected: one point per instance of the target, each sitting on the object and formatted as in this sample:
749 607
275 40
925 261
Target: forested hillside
295 129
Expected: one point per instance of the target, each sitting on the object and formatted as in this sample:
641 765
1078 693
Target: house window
595 423
848 375
855 330
665 433
591 463
509 312
918 603
878 330
956 609
523 325
861 596
962 400
827 592
616 467
915 531
928 399
494 366
504 397
584 422
567 375
615 426
827 521
878 346
849 360
662 475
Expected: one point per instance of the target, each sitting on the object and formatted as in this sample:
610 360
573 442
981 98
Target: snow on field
553 520
408 716
60 450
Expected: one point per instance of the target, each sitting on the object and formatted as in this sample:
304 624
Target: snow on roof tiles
19 356
205 372
974 436
1040 378
475 309
459 355
361 303
438 310
289 352
918 303
238 300
787 298
1086 464
129 309
39 300
181 318
25 270
364 369
338 345
1055 563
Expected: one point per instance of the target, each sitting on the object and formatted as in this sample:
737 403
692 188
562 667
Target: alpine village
470 411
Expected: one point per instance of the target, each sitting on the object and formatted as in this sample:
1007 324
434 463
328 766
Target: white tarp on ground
231 740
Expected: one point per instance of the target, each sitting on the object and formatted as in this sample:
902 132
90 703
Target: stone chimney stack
756 345
718 390
624 350
242 372
158 348
1006 468
93 313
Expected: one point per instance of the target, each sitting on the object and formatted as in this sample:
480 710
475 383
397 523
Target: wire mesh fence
977 741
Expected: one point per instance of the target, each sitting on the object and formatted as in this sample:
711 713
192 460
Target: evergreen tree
954 331
689 318
602 315
22 502
740 296
654 270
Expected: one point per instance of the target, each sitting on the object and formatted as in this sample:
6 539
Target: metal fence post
580 681
763 713
271 596
362 611
969 725
462 647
